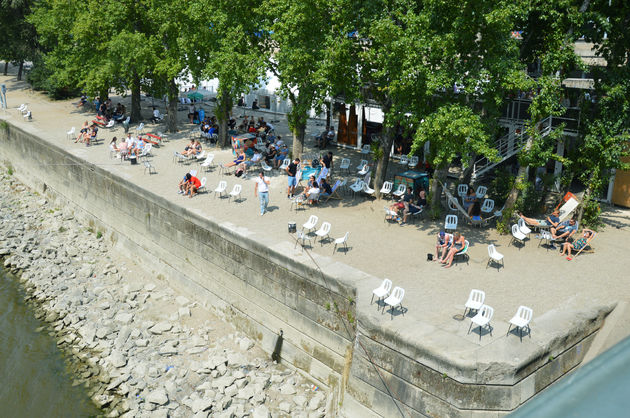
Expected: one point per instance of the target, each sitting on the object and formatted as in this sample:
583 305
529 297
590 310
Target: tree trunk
223 109
382 160
587 196
171 121
520 178
20 68
298 138
136 115
436 188
6 67
466 173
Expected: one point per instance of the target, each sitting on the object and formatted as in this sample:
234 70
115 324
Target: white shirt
262 185
257 156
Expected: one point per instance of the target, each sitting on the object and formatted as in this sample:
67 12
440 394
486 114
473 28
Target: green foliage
591 218
501 186
377 151
99 235
530 200
505 222
41 79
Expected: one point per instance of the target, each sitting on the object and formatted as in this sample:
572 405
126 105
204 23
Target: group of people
128 146
87 133
447 246
317 184
409 204
562 232
189 185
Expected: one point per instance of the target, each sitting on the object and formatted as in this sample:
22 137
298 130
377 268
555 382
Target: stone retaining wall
256 286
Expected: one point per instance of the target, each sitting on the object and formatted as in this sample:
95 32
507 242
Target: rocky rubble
139 347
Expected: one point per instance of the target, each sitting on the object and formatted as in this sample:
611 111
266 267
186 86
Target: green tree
223 46
414 54
19 39
294 39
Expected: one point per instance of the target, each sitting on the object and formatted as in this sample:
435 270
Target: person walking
3 96
262 191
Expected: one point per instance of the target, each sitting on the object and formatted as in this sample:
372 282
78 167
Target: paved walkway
532 276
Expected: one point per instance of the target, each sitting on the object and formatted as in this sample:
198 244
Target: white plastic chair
364 170
404 160
342 241
521 320
70 133
236 192
201 157
285 164
450 222
495 256
148 166
382 291
517 235
475 301
400 191
481 192
462 189
323 232
140 128
365 149
487 206
28 115
221 188
265 166
357 186
368 190
202 187
345 164
110 124
394 300
207 164
523 227
22 108
482 319
414 161
362 164
463 252
387 188
545 235
310 224
301 236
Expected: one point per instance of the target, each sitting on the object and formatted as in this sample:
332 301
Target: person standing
261 189
3 96
292 170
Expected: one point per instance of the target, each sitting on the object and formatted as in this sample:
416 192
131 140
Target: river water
33 377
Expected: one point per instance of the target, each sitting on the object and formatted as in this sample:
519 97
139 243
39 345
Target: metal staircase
508 146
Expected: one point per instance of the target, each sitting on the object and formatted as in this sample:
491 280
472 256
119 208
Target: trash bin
292 228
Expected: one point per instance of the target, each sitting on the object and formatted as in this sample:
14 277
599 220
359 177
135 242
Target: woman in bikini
579 243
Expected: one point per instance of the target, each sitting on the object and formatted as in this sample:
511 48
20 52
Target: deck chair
335 193
567 208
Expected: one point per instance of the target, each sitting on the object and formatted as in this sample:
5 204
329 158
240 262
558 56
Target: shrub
501 185
591 216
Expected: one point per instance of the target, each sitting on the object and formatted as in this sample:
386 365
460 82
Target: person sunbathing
579 244
458 244
395 209
190 148
552 220
83 132
239 159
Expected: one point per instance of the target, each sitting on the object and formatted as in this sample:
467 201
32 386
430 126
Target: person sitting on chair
310 191
552 220
444 241
326 190
156 116
239 159
565 230
578 244
190 148
469 199
458 244
410 208
475 211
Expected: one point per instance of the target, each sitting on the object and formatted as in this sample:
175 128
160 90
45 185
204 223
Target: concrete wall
253 284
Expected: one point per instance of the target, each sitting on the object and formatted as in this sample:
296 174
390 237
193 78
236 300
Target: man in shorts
292 170
193 185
